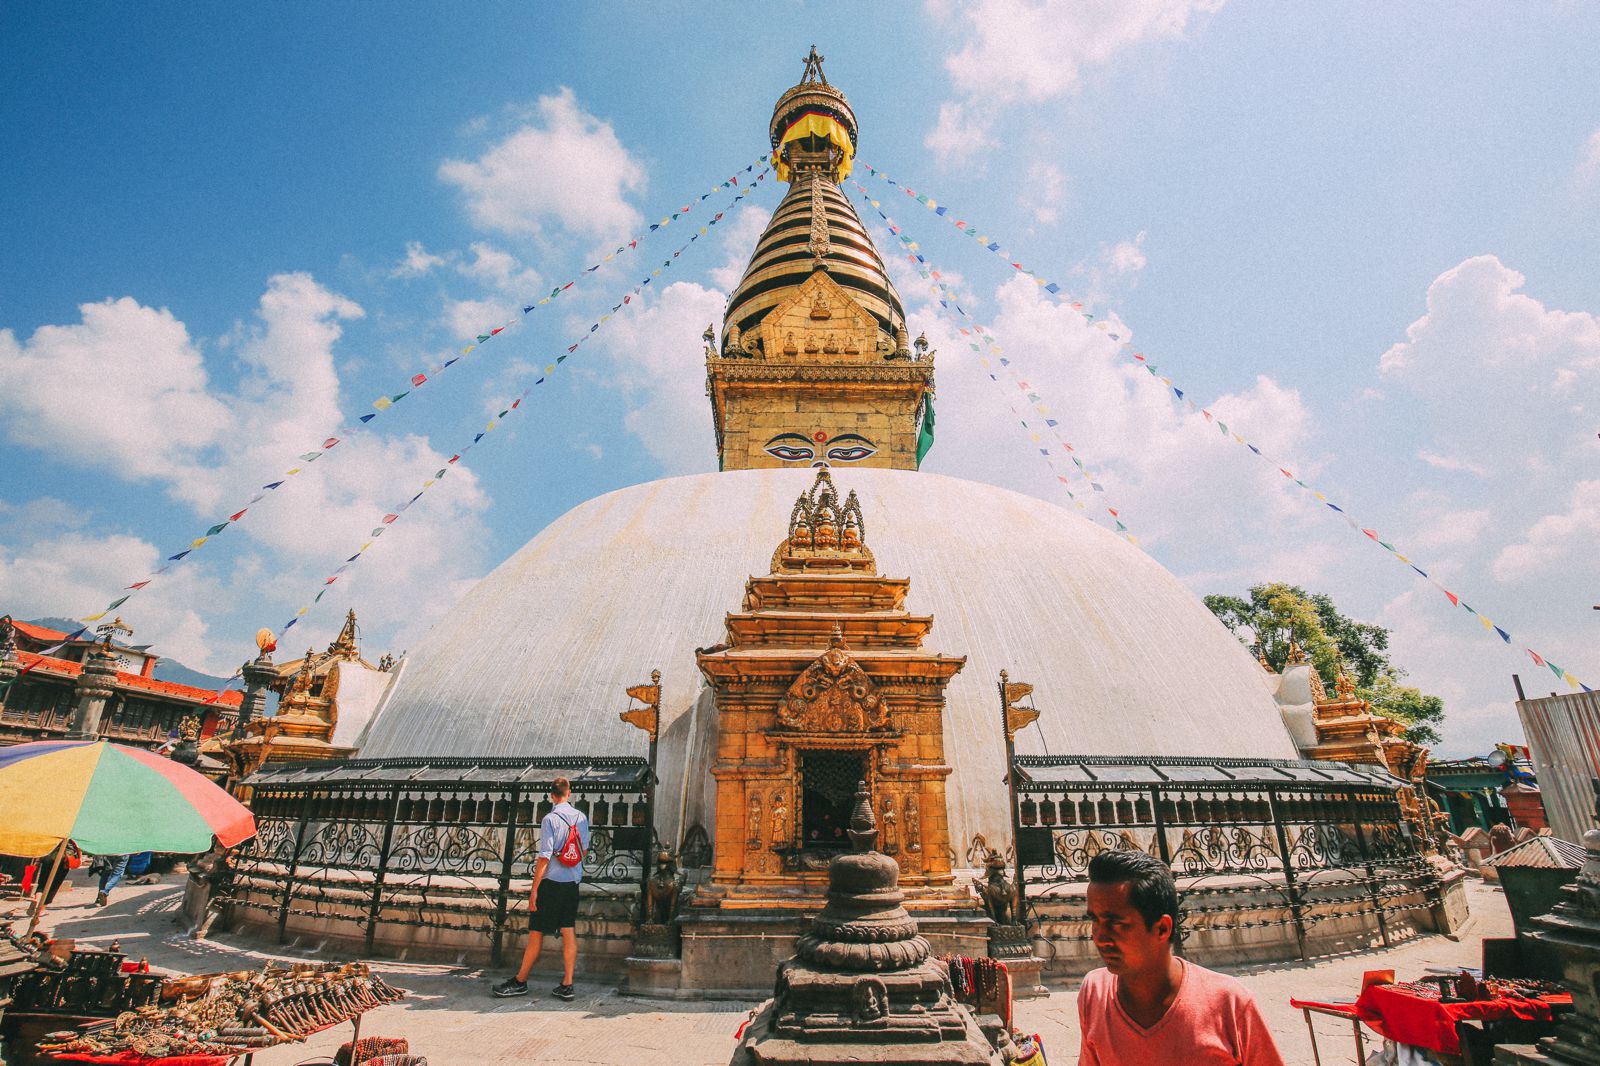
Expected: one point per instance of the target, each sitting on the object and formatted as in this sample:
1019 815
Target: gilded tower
815 367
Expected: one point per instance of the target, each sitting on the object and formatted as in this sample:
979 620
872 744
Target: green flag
925 433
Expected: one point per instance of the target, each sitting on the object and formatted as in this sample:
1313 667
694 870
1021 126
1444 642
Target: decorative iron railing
432 843
1252 842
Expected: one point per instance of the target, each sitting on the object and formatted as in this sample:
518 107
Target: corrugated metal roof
1564 736
1041 772
1546 853
590 773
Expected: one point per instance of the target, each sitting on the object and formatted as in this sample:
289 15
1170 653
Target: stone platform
451 1018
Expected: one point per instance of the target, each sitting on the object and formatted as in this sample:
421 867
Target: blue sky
1364 233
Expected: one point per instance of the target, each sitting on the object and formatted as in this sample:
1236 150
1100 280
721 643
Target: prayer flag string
415 382
392 516
1126 346
39 658
950 301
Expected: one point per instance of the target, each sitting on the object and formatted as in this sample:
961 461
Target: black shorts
558 907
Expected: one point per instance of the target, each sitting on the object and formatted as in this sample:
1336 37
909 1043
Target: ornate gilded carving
780 819
824 533
913 824
833 695
754 823
891 826
820 317
1017 718
820 244
648 717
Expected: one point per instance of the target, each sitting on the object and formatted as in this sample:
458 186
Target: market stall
213 1019
1436 1013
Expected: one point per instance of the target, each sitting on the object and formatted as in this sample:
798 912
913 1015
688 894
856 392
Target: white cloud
566 170
58 573
1589 161
1028 50
1555 538
1045 193
660 361
1441 525
739 238
1484 345
287 401
92 392
962 131
1158 464
1446 462
1476 319
465 319
1125 257
418 261
502 270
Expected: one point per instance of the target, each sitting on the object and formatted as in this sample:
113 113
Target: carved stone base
1007 942
653 978
653 941
901 1017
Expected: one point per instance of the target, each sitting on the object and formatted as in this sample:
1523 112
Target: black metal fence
1253 842
432 843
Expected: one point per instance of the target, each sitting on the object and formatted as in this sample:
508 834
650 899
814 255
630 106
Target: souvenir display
235 1013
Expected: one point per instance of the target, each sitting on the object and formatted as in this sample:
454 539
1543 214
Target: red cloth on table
1426 1022
128 1058
1348 1010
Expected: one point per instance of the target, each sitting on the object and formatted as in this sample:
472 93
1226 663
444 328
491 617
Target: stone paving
451 1018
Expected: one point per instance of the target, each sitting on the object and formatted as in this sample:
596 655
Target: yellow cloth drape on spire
813 124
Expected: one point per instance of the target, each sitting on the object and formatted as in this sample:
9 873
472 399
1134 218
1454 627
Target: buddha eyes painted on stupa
820 449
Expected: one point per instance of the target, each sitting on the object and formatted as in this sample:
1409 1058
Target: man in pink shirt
1146 1007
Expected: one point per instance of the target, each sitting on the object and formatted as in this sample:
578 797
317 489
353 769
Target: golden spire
344 646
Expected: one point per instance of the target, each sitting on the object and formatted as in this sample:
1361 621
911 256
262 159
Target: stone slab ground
451 1018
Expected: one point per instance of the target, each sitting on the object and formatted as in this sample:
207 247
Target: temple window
828 780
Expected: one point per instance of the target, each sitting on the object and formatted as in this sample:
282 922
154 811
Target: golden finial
813 72
1344 686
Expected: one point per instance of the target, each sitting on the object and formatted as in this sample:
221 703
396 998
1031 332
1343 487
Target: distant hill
166 669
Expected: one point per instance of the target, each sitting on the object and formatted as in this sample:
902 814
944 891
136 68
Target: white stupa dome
1125 660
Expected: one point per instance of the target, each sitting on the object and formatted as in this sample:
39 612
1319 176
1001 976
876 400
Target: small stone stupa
1571 935
861 986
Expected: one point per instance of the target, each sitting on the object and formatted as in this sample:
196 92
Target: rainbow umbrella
111 800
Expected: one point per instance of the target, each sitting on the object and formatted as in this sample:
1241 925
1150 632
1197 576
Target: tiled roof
49 636
49 664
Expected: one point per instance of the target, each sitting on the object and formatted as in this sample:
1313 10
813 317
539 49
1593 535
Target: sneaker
563 992
101 900
511 987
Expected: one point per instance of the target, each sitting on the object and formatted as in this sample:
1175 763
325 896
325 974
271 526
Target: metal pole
649 826
1011 791
306 800
1372 888
43 890
383 868
509 856
1288 873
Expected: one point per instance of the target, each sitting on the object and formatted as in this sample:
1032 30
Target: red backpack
571 853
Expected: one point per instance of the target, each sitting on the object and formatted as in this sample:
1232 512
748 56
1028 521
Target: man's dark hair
561 787
1150 886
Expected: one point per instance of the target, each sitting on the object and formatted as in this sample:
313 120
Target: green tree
1274 615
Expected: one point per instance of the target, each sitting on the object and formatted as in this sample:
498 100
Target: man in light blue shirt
553 899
